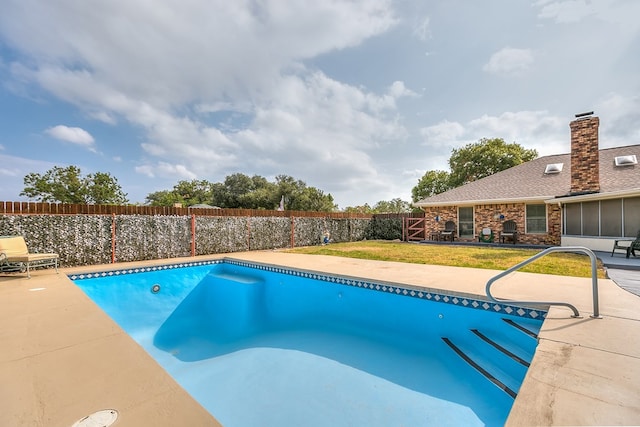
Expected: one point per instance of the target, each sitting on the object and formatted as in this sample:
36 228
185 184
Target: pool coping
585 371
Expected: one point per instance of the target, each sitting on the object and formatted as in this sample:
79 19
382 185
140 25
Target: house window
536 219
465 222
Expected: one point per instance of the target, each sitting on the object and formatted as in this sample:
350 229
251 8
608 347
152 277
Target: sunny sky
356 98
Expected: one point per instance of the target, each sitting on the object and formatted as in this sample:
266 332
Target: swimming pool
263 345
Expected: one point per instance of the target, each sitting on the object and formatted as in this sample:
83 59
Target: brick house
589 197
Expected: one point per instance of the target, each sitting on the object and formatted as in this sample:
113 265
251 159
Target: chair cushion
13 246
15 250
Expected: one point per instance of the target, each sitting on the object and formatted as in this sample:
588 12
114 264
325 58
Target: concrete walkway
622 270
63 358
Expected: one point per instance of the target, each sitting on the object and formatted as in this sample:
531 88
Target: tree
470 163
236 186
66 185
432 183
392 206
363 209
396 205
103 189
299 197
484 158
193 192
312 199
163 198
241 191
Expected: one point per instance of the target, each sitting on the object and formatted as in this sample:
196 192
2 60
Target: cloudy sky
358 98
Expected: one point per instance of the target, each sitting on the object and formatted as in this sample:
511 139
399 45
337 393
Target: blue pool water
260 345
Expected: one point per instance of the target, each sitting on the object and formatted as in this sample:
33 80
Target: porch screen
606 218
610 214
591 218
631 210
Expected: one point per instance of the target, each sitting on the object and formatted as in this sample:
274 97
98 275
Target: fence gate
414 229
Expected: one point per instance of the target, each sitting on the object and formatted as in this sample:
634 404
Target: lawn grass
562 264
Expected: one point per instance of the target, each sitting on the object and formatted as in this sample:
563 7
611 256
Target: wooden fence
16 208
43 208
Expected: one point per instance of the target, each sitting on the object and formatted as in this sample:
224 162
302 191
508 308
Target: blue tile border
425 294
110 273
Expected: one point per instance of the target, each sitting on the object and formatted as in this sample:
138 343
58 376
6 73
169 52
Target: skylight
553 168
626 160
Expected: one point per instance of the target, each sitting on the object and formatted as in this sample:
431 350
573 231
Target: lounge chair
449 232
509 231
16 257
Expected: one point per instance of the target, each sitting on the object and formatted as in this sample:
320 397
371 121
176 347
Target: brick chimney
585 164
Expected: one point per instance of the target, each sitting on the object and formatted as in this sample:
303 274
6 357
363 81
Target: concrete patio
63 358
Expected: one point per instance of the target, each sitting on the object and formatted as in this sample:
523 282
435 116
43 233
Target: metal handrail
594 279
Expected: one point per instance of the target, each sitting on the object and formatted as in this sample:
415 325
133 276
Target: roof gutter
634 192
595 196
484 201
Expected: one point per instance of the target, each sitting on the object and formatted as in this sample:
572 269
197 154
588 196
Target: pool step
502 356
488 375
521 328
500 348
235 277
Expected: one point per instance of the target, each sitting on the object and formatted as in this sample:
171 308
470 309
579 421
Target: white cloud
166 68
509 61
619 118
319 91
531 129
622 13
442 134
398 89
422 30
546 133
164 169
75 135
565 11
170 54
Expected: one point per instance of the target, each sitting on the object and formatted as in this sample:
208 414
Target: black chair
449 232
631 250
509 231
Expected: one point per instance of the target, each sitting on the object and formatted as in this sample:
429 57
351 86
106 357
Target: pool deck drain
62 356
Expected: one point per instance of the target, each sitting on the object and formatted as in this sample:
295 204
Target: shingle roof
528 181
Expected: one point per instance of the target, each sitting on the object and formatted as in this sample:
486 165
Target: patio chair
16 257
631 250
509 231
449 232
623 245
